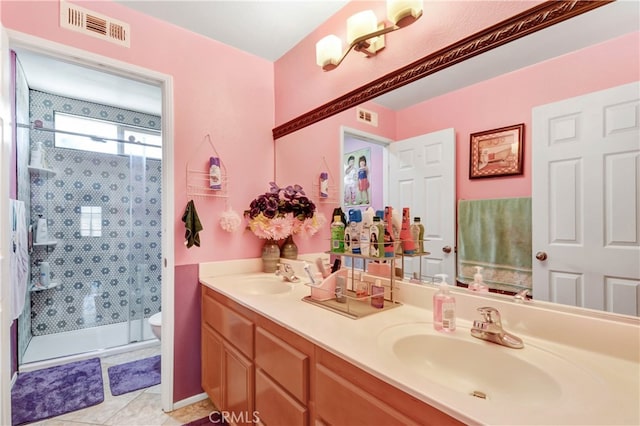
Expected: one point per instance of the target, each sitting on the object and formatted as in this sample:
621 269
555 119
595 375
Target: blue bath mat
53 391
134 375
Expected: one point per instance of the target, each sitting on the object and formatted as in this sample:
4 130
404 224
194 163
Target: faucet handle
490 315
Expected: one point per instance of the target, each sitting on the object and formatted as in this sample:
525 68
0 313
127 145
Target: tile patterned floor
139 408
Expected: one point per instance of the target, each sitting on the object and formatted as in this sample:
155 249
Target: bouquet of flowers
282 212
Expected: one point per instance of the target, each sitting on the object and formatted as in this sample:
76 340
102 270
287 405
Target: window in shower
90 134
90 221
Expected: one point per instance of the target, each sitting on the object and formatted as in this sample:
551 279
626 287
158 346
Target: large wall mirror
318 135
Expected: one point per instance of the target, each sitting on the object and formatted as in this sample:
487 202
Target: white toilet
155 321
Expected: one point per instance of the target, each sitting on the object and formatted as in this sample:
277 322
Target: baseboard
191 400
13 379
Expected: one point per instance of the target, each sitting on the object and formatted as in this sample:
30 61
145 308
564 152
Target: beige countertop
560 377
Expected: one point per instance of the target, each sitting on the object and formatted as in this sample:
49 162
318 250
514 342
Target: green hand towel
495 234
192 225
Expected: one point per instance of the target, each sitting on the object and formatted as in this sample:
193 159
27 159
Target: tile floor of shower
138 408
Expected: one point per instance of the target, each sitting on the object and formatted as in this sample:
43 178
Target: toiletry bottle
365 233
377 295
444 307
36 155
478 284
341 289
324 185
362 287
417 232
376 241
355 227
42 231
408 244
347 238
45 274
215 175
389 250
337 235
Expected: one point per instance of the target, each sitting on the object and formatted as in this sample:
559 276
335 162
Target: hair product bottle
337 235
408 244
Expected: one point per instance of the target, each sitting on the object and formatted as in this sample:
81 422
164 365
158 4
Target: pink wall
300 85
215 88
509 99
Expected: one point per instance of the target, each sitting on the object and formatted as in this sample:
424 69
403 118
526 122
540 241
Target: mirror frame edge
531 20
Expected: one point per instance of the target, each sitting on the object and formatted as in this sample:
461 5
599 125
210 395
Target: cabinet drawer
232 326
285 364
275 406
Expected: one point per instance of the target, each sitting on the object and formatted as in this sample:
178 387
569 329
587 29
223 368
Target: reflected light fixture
365 34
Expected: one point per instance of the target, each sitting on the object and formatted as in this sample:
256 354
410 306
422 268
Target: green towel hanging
192 225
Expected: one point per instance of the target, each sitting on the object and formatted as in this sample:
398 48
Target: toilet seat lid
156 319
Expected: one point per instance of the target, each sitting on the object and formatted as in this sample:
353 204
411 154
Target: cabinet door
276 406
211 365
339 402
238 386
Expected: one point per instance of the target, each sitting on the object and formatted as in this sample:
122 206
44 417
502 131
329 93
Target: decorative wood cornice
520 25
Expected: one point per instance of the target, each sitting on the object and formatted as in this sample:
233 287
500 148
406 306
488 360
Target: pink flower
282 212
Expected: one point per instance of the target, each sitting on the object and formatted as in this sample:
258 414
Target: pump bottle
478 284
444 307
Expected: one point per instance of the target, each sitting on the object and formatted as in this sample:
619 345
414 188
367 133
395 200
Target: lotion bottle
478 284
444 307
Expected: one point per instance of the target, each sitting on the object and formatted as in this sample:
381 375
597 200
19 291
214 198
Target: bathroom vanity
270 358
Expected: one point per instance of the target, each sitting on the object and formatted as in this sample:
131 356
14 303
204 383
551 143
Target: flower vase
289 249
270 256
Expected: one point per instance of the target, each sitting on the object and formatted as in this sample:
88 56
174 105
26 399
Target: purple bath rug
134 375
50 392
215 418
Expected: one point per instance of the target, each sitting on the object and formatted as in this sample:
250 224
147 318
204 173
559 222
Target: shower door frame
165 82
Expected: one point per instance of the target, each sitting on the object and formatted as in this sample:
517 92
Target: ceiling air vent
79 19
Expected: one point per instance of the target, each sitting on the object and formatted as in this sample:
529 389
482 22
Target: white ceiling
265 28
236 23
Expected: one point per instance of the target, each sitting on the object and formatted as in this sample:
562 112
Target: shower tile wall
104 279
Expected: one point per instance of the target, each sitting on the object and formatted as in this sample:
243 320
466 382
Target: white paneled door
422 177
586 198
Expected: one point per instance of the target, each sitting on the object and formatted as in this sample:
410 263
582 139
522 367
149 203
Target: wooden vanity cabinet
227 356
254 366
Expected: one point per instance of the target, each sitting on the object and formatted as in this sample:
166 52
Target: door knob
541 255
446 249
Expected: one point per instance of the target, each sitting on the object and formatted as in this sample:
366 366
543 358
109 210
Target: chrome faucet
490 329
286 271
522 296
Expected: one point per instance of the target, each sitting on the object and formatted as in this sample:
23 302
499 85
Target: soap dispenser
444 307
478 284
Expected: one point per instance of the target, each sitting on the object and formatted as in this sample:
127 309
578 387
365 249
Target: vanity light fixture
365 34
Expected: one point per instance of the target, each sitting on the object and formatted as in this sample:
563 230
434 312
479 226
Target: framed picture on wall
356 176
497 152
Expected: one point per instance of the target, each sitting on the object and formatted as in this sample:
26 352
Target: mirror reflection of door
586 196
422 177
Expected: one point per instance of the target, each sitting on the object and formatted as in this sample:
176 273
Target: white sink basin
263 284
521 377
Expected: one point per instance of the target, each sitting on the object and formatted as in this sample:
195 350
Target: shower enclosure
99 193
